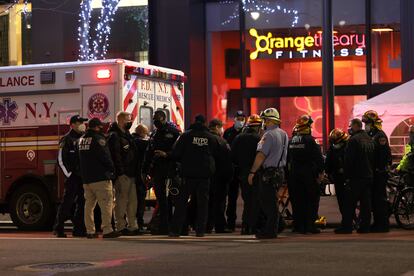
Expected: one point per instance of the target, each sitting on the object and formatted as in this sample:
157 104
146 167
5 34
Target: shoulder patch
102 142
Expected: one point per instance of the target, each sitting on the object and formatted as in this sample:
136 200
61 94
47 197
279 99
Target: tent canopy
393 106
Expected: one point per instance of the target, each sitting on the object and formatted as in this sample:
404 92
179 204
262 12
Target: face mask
238 125
158 124
128 125
221 131
81 128
367 128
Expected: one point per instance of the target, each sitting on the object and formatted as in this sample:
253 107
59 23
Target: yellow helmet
371 117
271 114
303 125
254 120
337 136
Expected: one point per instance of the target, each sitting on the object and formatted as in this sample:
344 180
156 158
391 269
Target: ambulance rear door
163 97
146 101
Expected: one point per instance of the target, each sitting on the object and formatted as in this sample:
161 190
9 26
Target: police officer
305 169
383 159
267 172
334 163
123 154
197 150
158 165
68 158
233 191
220 181
97 170
359 161
140 137
243 153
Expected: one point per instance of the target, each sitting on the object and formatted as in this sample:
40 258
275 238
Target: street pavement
40 253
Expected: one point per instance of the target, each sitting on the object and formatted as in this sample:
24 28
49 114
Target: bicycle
401 200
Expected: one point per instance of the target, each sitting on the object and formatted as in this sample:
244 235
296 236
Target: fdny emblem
31 155
8 111
98 106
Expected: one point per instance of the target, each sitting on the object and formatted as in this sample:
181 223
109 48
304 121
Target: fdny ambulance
36 102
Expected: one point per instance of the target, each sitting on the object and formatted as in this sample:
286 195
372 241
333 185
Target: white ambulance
36 102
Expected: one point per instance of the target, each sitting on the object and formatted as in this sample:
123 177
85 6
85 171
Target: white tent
393 106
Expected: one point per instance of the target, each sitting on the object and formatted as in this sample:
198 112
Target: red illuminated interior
302 72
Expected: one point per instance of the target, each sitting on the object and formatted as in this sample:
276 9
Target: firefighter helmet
371 117
337 136
303 124
271 114
254 120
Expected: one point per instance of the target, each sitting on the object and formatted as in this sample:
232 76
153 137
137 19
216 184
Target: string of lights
83 30
257 7
103 30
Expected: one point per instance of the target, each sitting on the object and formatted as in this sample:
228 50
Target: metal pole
243 60
368 49
328 88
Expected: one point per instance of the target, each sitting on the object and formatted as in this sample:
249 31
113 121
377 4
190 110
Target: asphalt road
290 254
40 253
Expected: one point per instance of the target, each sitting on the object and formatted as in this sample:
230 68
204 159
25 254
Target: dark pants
217 205
359 190
199 189
232 195
73 194
141 195
160 189
248 219
264 196
380 203
305 200
339 182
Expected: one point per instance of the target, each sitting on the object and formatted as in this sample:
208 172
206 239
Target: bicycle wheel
404 209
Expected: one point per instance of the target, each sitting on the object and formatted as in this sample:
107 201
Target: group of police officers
197 175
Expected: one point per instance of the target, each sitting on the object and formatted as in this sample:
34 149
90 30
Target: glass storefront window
293 107
282 56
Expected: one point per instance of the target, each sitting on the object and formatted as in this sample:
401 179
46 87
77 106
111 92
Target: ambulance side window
145 117
167 112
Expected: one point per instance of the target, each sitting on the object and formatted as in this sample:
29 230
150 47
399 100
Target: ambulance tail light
103 74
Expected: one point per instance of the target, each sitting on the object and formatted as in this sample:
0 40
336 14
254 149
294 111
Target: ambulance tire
31 208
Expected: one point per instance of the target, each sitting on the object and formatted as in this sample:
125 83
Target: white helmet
271 114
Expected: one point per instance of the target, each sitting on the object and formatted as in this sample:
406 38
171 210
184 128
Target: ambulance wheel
31 208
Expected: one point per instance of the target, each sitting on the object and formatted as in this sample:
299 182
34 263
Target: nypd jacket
95 158
162 139
305 156
123 151
197 150
68 156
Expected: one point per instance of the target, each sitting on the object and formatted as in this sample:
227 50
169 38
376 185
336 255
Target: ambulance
36 102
